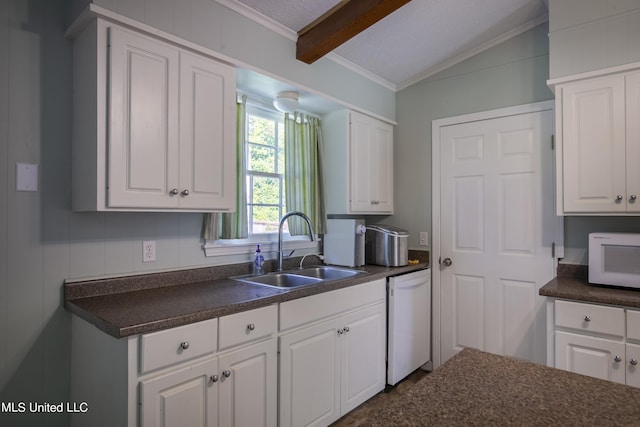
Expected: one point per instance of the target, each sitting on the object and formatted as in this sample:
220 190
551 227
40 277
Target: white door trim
436 125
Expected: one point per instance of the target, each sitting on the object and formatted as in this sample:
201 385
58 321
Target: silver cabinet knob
251 326
340 331
174 192
213 378
447 262
185 192
587 318
346 329
619 198
226 373
184 345
617 359
632 198
633 362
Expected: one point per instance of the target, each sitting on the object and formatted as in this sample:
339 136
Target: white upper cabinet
359 164
154 125
599 145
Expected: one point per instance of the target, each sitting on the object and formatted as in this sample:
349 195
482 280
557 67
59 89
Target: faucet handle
289 254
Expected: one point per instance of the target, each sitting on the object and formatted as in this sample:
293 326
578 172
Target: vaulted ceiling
419 39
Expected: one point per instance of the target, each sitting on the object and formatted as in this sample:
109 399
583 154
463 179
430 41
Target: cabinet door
248 394
186 397
310 376
207 134
143 122
371 165
362 156
382 174
593 138
363 356
633 141
633 365
592 356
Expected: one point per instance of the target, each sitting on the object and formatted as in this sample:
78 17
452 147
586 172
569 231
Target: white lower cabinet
234 389
335 359
592 356
183 397
218 372
226 371
597 340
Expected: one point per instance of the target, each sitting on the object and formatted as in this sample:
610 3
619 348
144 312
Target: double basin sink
301 277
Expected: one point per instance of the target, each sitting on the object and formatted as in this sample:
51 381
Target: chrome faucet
284 218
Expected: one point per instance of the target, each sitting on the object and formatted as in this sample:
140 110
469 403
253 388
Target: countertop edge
74 302
579 289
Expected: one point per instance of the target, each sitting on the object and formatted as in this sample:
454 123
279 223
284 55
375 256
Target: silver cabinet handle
340 331
447 262
185 192
617 359
587 318
213 378
226 373
619 198
251 326
632 198
346 329
184 345
174 192
633 362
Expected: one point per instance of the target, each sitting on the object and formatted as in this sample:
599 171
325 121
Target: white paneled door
497 225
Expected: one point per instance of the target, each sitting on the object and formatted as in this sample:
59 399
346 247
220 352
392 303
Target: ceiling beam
341 23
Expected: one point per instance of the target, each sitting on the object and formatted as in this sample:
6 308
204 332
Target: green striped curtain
304 172
233 225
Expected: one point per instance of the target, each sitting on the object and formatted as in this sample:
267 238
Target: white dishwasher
409 324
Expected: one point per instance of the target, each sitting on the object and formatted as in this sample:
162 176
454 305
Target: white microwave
614 259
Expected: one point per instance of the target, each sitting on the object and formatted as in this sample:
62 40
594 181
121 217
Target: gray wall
42 242
587 35
512 73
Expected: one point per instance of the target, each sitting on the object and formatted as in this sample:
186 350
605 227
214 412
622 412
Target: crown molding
258 17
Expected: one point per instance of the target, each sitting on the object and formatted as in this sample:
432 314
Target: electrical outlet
424 238
148 251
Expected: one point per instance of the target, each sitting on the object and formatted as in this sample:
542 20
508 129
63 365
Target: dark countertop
125 306
575 286
478 388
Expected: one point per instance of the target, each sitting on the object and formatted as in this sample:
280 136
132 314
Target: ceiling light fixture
286 101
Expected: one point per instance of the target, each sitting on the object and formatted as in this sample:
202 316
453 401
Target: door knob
174 192
447 262
185 192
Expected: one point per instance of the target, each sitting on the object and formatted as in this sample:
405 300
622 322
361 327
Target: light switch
26 177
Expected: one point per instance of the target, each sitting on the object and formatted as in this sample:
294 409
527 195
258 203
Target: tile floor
359 416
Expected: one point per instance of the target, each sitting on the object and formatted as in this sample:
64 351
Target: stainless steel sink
301 277
327 273
281 280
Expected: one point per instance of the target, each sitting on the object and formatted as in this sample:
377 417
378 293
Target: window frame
278 117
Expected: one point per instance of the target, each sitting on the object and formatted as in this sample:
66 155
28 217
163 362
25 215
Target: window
264 144
265 170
